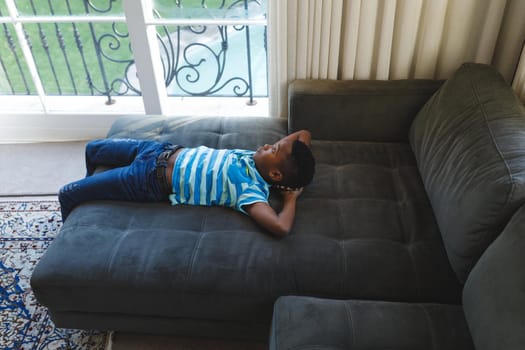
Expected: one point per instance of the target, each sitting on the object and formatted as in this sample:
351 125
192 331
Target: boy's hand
286 188
290 193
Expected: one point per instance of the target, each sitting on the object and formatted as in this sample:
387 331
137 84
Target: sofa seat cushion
363 229
367 218
312 323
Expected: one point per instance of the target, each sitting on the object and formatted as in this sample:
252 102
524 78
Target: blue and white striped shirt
207 176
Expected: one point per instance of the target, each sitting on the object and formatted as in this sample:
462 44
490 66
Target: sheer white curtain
388 39
519 79
304 42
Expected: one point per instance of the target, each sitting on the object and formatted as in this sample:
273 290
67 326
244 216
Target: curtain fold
519 79
388 39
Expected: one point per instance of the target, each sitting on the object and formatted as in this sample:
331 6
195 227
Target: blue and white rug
26 230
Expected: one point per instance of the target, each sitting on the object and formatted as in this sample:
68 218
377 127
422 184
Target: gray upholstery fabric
188 327
364 228
216 132
367 218
471 159
311 323
493 305
494 294
357 110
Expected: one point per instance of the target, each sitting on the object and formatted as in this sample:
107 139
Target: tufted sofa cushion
216 132
366 218
364 227
471 161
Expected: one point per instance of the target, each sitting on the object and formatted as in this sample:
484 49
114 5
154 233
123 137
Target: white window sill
70 118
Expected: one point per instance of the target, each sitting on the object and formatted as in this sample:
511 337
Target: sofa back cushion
469 142
357 110
494 294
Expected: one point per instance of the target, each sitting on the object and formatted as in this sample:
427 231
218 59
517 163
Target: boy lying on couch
150 171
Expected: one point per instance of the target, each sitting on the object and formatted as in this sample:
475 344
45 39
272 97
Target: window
71 56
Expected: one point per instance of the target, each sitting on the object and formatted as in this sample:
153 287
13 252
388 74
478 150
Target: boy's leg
114 152
106 185
136 182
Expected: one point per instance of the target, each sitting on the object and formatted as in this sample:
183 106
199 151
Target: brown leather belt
163 162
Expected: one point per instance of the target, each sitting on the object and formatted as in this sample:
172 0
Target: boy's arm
302 135
281 223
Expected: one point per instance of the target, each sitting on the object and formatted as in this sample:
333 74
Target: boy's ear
276 175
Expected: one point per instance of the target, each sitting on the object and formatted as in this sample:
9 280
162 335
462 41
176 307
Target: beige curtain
519 79
389 39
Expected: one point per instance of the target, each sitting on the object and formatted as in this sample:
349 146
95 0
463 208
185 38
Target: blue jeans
132 177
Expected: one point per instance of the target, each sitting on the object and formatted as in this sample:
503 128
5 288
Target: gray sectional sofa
414 180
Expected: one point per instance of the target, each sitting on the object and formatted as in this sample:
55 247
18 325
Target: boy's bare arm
281 223
302 135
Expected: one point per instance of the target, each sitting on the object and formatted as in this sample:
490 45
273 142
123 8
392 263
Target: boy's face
270 160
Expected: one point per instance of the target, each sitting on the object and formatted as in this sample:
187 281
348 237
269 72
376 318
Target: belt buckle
164 156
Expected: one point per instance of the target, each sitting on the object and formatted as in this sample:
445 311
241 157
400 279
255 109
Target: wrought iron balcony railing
82 48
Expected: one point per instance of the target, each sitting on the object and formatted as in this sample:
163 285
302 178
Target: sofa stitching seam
340 222
429 325
193 255
350 321
407 244
276 317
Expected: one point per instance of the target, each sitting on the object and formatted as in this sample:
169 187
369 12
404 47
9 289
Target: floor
39 170
36 169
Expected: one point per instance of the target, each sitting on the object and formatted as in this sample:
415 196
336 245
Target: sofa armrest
357 110
494 294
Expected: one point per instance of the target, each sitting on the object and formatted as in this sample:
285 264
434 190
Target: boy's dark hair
302 166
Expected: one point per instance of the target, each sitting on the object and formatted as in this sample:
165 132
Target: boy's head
286 163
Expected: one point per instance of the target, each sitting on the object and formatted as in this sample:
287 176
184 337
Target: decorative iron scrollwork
96 59
184 63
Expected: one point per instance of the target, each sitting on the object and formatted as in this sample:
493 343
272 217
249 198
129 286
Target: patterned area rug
26 230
